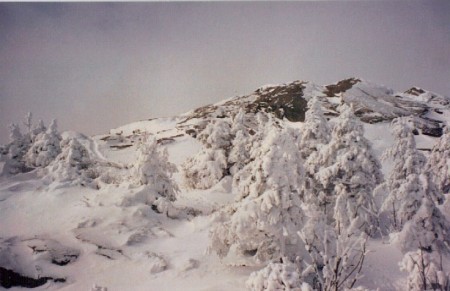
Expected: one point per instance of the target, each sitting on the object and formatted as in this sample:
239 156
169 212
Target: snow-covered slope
72 237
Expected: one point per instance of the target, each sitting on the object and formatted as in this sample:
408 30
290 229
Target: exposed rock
341 86
9 279
415 91
284 101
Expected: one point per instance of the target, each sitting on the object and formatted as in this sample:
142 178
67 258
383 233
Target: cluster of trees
305 198
67 161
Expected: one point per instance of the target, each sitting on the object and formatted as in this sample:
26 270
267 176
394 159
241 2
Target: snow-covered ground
104 238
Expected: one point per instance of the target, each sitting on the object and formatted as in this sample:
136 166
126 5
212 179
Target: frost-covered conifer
315 135
427 230
406 185
439 162
239 122
37 129
239 154
315 130
407 159
424 239
45 147
28 122
349 174
425 271
154 169
13 153
210 165
73 165
334 259
262 225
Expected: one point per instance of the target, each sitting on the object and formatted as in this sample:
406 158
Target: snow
114 238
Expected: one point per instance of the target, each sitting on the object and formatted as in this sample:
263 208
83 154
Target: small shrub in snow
275 277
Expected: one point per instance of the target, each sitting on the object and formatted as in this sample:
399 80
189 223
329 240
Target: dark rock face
284 101
435 132
341 86
415 91
9 279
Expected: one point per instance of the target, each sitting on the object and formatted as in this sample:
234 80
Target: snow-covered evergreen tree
349 173
45 147
406 185
262 225
335 258
13 153
404 154
73 165
315 130
239 154
315 135
28 122
154 169
425 271
210 165
428 230
438 163
424 240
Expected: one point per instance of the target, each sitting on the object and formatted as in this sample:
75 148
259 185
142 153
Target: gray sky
98 66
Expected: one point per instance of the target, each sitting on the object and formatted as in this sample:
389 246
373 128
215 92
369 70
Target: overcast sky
97 66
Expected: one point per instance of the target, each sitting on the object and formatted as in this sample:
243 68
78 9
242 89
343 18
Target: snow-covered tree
276 277
349 172
216 135
428 230
424 239
13 153
73 165
45 147
210 165
425 271
239 122
335 258
154 169
37 129
315 130
239 154
404 154
262 224
315 135
438 163
406 185
28 122
240 151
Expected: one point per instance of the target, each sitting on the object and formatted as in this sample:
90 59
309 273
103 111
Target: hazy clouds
98 66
